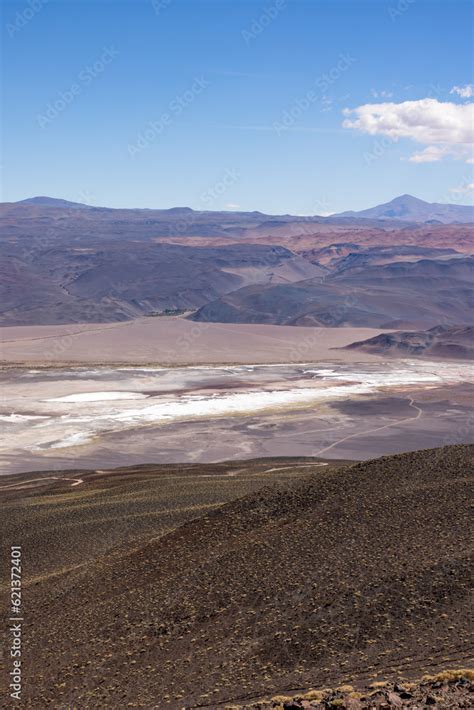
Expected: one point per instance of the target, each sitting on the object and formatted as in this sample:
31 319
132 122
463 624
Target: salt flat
104 416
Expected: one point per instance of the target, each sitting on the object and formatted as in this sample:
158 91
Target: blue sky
237 105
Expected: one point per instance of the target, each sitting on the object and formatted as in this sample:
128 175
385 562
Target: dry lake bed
78 417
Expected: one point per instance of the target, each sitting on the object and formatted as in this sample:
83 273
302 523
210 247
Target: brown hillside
346 574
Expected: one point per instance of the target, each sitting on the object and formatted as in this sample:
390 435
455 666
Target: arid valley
237 355
213 413
199 336
179 437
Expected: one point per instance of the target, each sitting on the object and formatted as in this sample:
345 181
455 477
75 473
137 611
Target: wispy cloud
240 74
465 92
289 129
463 189
431 154
381 94
326 104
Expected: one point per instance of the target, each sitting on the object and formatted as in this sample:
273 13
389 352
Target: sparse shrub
450 675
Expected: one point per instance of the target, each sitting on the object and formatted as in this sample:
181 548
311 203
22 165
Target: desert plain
126 394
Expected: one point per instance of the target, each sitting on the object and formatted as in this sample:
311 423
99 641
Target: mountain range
394 266
405 207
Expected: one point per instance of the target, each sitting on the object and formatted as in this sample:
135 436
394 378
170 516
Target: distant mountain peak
45 201
411 209
406 198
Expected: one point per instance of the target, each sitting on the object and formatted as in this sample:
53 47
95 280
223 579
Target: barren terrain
340 575
87 264
173 341
441 341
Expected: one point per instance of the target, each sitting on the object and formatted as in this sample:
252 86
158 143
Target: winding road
371 431
74 481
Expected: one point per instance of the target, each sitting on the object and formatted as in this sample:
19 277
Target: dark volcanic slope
441 341
123 280
403 294
346 255
351 572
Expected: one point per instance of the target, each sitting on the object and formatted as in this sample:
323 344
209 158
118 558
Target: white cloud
463 189
465 92
445 127
232 206
425 121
